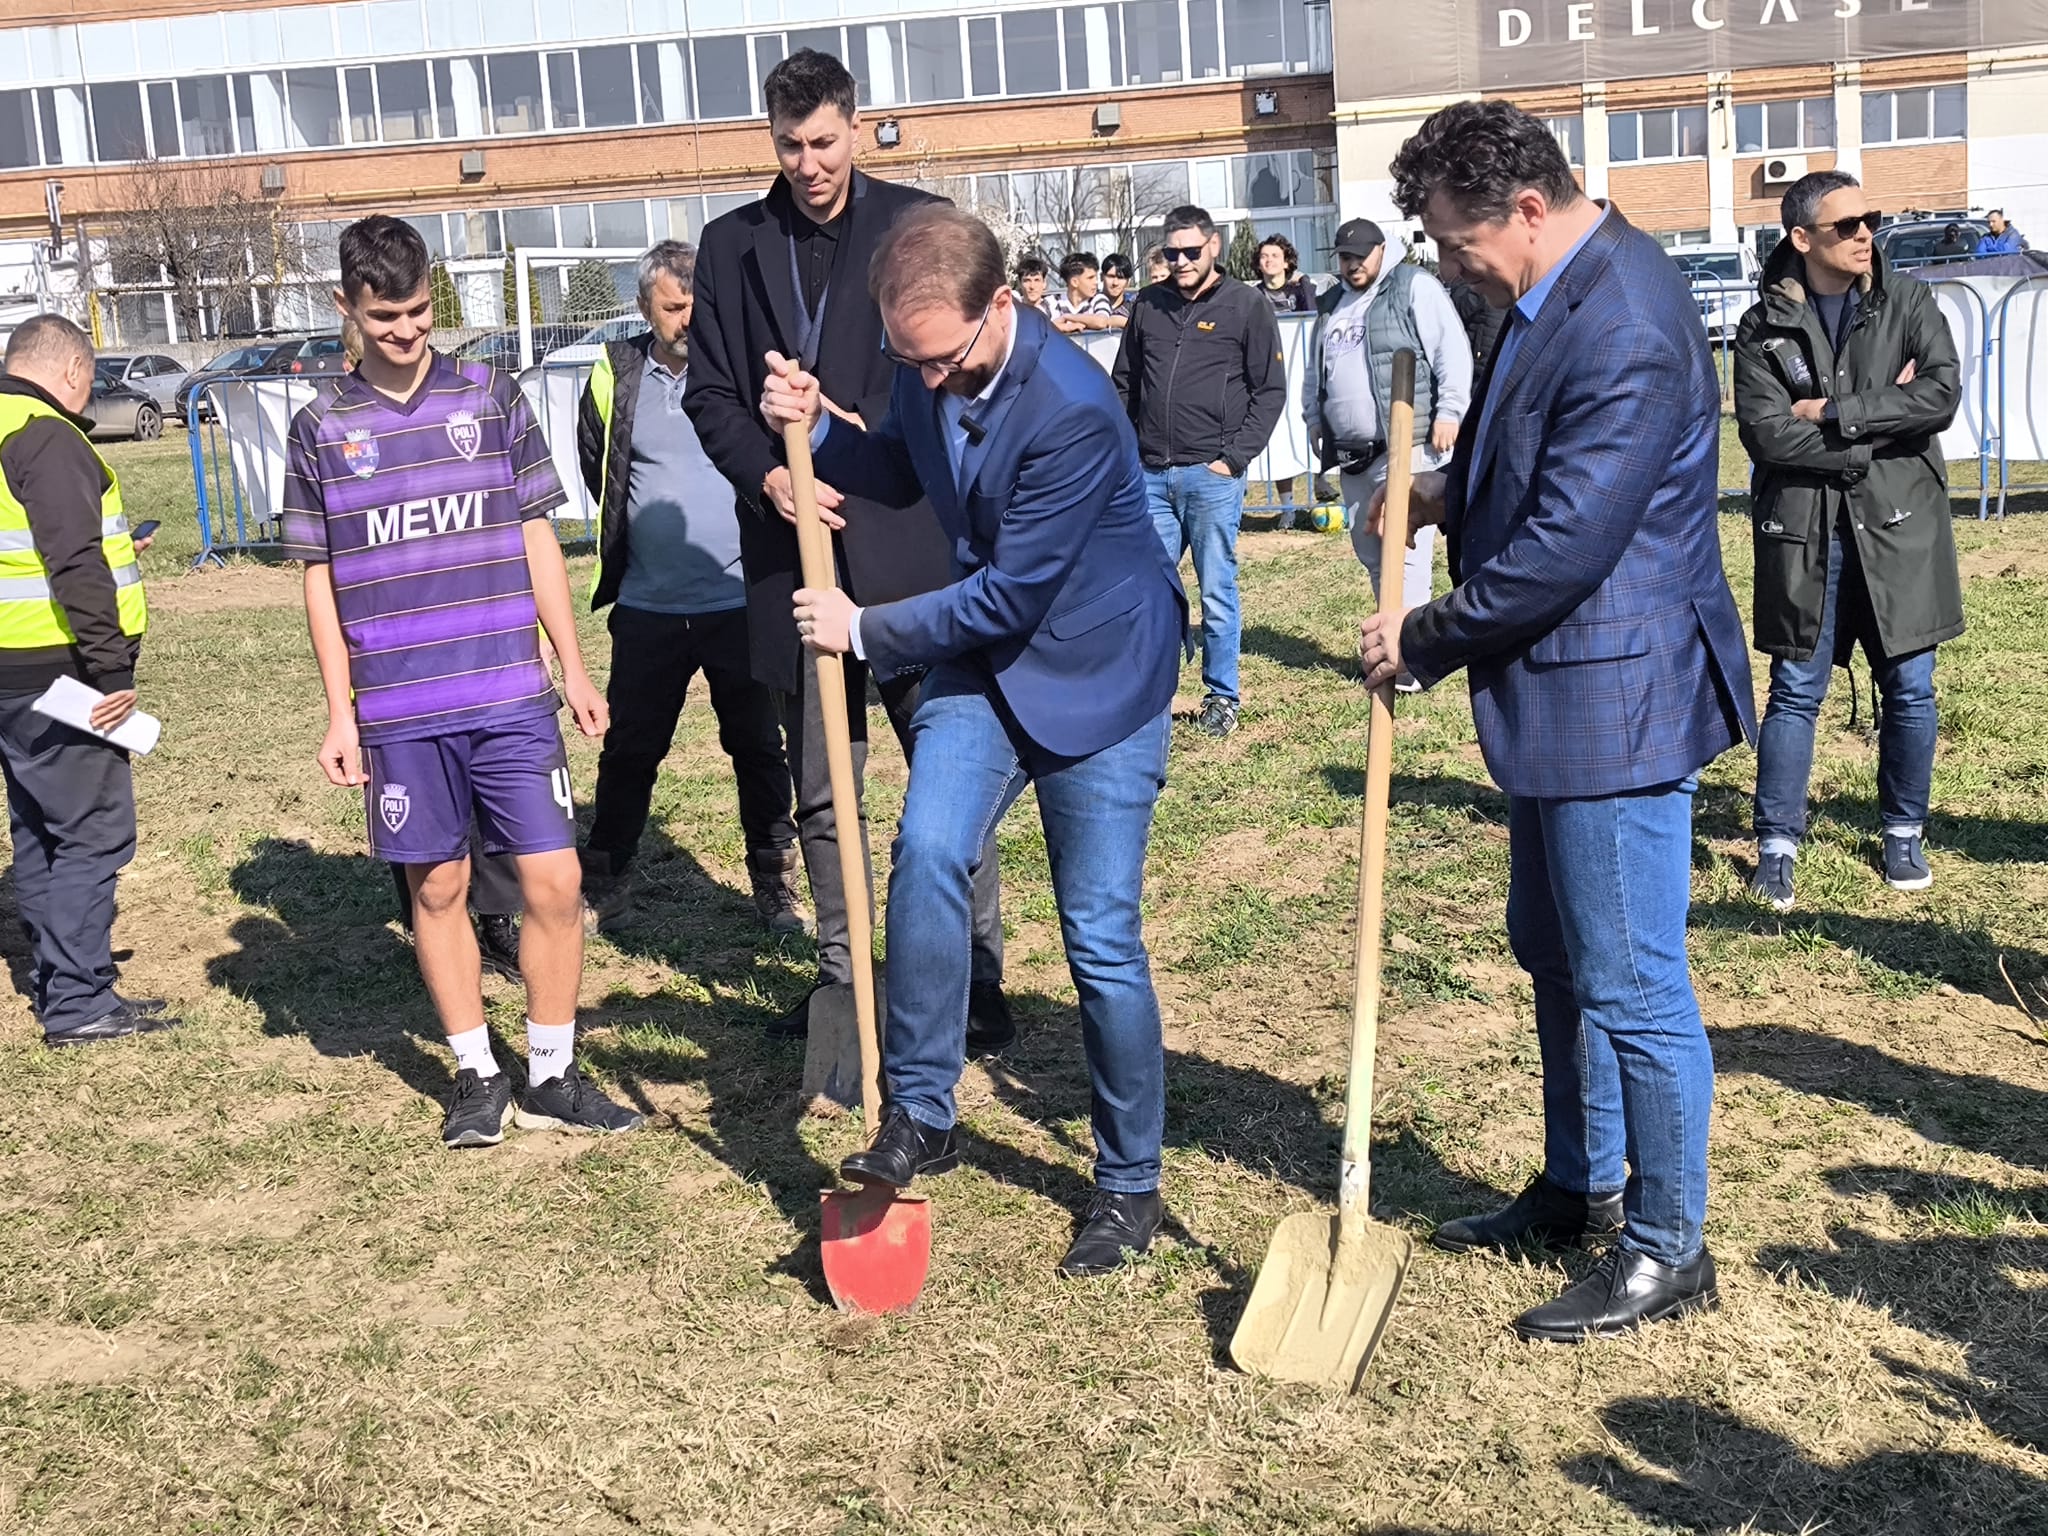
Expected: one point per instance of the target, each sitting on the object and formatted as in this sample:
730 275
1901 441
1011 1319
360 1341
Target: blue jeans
1597 899
969 763
1905 733
1194 508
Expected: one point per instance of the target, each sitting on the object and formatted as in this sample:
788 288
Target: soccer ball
1328 518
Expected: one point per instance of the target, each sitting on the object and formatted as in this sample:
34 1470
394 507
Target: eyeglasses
1845 229
1179 253
946 367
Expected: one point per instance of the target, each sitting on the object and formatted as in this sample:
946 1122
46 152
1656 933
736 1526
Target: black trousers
71 803
818 830
654 656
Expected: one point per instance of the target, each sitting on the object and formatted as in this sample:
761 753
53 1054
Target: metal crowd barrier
237 427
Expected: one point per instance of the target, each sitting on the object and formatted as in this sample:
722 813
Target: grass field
243 1289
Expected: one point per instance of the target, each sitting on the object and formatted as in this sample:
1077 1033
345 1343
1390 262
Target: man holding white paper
71 607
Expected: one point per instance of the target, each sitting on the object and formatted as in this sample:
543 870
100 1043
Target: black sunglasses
1189 253
946 366
1845 229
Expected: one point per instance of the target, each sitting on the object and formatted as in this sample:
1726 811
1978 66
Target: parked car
501 348
1910 243
1723 279
587 347
121 410
316 354
248 358
157 376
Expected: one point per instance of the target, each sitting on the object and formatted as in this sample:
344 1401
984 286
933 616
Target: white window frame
1931 137
1640 157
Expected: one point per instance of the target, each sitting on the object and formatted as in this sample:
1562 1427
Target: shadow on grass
1300 652
1957 1285
1479 800
1708 1471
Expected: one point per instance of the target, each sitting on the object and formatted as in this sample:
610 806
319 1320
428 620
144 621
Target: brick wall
1917 176
1214 118
1661 197
1757 202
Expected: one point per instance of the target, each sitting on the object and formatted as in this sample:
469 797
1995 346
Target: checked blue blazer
1589 606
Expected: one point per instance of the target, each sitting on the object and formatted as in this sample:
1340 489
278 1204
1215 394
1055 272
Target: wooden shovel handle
1354 1185
814 547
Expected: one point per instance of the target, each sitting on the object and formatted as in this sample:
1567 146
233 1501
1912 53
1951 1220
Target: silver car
150 373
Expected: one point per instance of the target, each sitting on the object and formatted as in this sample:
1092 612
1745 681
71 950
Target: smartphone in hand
146 529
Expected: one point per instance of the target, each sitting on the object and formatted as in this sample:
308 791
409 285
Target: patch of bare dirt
38 1355
2004 562
243 584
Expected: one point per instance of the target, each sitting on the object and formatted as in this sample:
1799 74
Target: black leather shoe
904 1149
1542 1214
989 1025
1115 1224
124 1021
1625 1290
795 1024
497 943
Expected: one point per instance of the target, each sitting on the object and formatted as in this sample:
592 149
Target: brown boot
776 898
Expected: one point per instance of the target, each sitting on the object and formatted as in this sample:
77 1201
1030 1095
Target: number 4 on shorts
560 780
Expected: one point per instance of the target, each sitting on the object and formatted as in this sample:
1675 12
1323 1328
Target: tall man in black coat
789 274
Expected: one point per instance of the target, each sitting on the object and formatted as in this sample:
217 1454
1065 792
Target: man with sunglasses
1845 376
1201 373
1053 653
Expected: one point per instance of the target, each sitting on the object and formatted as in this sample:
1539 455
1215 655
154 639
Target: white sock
549 1050
473 1051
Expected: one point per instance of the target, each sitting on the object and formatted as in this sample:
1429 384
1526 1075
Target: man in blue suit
1053 658
1607 667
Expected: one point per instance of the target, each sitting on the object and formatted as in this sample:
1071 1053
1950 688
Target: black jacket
1203 378
59 481
606 459
1483 324
745 309
1875 465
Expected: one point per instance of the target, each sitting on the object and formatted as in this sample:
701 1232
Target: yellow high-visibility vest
31 619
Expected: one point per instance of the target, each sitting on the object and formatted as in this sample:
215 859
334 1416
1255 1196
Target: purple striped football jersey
418 508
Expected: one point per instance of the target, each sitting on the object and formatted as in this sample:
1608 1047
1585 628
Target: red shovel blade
876 1244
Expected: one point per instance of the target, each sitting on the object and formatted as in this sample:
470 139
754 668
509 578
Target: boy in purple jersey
418 496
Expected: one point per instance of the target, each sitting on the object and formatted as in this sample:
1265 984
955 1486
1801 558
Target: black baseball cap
1358 237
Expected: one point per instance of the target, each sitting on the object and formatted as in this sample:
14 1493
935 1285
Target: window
195 43
454 23
1205 44
206 116
17 130
1152 41
1159 188
1031 53
722 88
429 226
1251 34
314 97
459 98
607 86
259 112
1676 133
1766 127
403 106
1570 133
767 54
163 116
874 56
362 105
932 51
117 132
529 229
1094 47
395 27
1907 117
1283 180
984 55
565 103
623 225
515 92
664 82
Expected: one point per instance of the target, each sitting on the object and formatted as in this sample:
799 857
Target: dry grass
242 1288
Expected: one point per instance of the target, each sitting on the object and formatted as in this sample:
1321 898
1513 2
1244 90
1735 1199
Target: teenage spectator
1201 374
1078 306
1156 269
1032 275
1280 278
1116 288
2003 240
668 561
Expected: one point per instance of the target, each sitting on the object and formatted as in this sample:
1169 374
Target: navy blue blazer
1590 608
1062 588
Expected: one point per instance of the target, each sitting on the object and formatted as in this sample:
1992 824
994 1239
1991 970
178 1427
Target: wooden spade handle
1354 1184
814 546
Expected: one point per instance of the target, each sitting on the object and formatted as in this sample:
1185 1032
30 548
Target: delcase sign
1443 47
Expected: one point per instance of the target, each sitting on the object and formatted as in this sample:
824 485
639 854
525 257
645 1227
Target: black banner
1444 47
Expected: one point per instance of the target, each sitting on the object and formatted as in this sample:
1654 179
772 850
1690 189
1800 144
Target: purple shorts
513 780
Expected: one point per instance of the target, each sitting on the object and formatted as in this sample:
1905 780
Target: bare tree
205 231
964 191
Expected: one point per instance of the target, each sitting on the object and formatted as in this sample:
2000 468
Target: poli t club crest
464 435
359 452
394 805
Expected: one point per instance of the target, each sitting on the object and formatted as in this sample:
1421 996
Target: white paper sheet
71 702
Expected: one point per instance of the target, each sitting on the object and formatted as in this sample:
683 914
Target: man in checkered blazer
1607 667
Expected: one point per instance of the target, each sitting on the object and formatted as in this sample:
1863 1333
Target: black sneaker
478 1110
1772 882
607 893
571 1103
497 942
1218 717
1905 862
